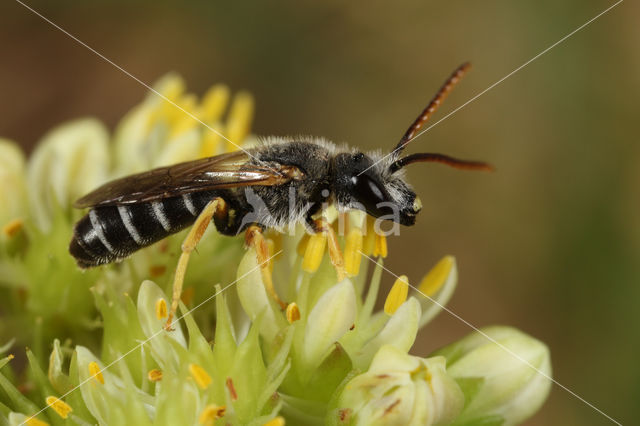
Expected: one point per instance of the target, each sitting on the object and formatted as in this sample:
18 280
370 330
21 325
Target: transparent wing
222 171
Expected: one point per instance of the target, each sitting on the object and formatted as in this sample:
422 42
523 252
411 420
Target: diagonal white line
154 335
502 79
449 311
147 86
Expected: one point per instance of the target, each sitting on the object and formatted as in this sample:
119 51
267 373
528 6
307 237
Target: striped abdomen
110 233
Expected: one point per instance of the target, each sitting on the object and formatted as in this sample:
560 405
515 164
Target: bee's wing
222 171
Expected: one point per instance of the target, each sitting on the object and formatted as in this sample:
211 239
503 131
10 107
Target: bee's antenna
439 158
432 107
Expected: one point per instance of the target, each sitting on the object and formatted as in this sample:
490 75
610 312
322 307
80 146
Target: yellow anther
210 144
202 378
276 237
210 413
352 252
11 228
154 375
437 276
161 308
276 421
59 406
369 243
94 371
32 421
380 246
302 245
181 121
397 296
214 103
10 357
239 120
271 247
293 312
172 88
314 252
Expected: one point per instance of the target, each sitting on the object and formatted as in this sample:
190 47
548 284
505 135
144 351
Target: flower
504 373
400 389
240 358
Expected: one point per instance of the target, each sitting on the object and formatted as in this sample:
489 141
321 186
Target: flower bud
400 389
503 372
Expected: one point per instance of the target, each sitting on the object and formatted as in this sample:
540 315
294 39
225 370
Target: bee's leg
255 238
335 254
188 245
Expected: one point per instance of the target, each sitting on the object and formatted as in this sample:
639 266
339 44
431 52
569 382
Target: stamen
214 103
210 413
232 389
276 421
59 406
315 252
161 308
277 239
183 122
293 312
210 141
32 421
202 378
437 276
397 296
94 371
271 247
380 246
352 249
12 227
154 375
302 245
239 119
171 88
369 243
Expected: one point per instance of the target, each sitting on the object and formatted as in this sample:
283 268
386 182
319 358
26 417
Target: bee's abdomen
110 233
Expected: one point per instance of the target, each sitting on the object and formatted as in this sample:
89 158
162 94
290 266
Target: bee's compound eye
368 193
325 193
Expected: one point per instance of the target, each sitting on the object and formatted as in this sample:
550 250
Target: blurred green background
550 243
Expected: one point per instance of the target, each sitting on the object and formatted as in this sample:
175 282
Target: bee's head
362 184
376 184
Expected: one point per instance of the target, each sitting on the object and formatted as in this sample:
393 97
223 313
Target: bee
279 182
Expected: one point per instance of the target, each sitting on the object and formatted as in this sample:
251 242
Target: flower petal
254 298
331 317
153 327
399 332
